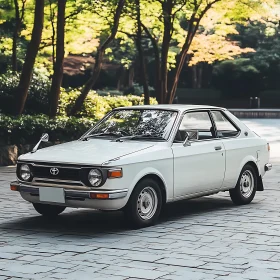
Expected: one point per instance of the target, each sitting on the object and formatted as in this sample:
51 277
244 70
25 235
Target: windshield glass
157 123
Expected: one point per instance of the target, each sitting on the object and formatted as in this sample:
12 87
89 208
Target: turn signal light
115 173
268 147
14 188
99 195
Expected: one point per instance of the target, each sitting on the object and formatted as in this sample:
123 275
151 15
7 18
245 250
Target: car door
200 166
237 146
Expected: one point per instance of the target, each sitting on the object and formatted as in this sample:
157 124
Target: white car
139 158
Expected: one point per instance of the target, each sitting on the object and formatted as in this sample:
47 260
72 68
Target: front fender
152 171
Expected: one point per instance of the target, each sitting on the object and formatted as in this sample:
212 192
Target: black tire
247 176
47 210
147 192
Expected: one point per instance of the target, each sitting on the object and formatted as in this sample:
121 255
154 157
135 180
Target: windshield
138 123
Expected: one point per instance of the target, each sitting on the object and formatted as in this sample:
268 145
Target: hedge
96 106
28 129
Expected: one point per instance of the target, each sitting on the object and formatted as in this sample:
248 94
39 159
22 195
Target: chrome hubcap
247 183
147 203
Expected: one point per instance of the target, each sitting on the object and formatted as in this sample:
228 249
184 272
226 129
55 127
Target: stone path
207 238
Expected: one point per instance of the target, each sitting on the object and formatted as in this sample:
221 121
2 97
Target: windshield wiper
142 136
102 134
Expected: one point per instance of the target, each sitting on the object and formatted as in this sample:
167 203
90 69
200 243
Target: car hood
93 151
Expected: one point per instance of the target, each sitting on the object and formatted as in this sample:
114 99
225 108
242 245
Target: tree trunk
199 75
167 35
143 70
193 26
15 36
58 66
182 57
53 32
31 53
119 76
194 77
98 60
157 62
131 72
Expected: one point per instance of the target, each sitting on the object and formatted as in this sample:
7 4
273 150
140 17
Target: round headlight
25 172
95 177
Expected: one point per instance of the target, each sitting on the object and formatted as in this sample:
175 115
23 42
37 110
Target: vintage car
139 158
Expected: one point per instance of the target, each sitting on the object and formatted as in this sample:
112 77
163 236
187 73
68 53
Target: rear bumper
267 166
115 200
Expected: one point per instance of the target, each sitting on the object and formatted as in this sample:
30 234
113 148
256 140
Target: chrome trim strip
58 180
65 164
35 184
42 165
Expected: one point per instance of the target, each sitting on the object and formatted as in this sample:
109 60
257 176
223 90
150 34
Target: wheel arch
259 177
160 182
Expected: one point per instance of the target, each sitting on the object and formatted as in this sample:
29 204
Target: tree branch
193 26
22 10
79 9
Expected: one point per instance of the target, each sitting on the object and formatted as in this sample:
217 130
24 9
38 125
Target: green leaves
28 129
96 106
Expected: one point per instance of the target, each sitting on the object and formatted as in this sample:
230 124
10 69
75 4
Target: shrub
96 106
28 129
37 100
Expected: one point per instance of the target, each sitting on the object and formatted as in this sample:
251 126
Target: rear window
223 125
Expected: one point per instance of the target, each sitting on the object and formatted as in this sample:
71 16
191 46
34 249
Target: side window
224 127
198 125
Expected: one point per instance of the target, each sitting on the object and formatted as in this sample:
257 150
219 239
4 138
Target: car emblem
54 171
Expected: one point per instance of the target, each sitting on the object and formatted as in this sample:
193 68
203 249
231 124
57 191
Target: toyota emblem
54 171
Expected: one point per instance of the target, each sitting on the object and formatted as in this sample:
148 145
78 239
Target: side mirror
44 138
187 141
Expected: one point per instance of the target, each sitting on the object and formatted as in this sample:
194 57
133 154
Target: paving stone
140 273
181 262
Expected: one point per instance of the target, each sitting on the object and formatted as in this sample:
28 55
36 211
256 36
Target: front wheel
47 210
144 205
246 186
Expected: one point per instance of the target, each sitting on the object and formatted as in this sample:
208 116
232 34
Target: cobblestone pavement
207 238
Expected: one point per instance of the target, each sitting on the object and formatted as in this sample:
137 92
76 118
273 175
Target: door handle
218 148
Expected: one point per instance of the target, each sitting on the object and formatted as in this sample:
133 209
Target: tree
98 59
31 53
181 20
138 41
171 11
58 65
19 15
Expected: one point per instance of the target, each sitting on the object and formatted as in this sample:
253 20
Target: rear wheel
48 210
144 205
245 189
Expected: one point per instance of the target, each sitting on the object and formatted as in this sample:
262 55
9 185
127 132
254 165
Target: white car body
202 167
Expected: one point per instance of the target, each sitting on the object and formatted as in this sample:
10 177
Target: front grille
57 182
64 173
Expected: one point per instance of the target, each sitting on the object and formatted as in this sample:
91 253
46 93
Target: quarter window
224 127
198 125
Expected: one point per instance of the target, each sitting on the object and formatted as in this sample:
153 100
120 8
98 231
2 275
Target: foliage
28 129
37 100
96 106
237 78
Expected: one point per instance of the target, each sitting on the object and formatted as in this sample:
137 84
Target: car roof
177 107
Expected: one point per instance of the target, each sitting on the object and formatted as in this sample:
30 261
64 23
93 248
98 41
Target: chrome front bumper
268 167
74 194
114 199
